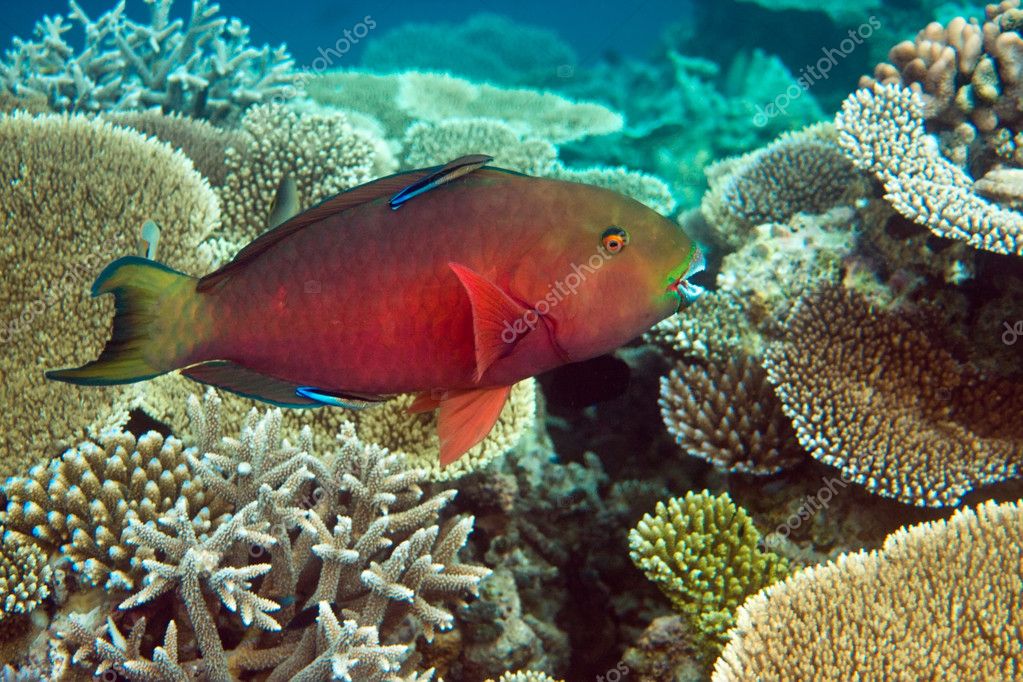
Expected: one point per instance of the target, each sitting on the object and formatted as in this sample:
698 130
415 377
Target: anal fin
248 383
466 417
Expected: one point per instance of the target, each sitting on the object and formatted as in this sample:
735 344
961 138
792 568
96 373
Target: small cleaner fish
453 282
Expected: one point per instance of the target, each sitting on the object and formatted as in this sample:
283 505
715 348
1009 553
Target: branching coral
24 575
882 130
66 214
84 501
799 172
702 552
431 144
873 394
204 67
515 54
941 600
728 415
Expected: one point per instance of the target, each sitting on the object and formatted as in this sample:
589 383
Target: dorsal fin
383 187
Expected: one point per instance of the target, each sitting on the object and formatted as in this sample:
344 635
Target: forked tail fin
145 293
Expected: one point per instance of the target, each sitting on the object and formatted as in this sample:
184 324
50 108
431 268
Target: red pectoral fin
497 320
466 418
427 401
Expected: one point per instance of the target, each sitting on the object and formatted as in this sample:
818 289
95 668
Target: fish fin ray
427 401
466 417
494 314
248 383
442 175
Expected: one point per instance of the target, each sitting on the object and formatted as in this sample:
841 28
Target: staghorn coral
84 501
205 144
204 67
799 172
940 600
65 214
728 415
25 576
702 552
396 100
882 131
124 655
873 394
515 54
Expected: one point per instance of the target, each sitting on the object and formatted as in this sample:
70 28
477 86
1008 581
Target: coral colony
838 437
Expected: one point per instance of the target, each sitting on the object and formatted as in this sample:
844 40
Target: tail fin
141 287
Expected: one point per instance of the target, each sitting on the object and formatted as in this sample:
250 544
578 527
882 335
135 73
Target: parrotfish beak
679 285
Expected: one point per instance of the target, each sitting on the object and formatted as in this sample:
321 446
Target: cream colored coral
83 501
882 130
803 171
322 152
430 144
74 193
525 676
939 601
24 575
879 397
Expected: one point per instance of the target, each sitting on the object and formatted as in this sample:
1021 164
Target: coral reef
25 577
204 67
728 414
431 144
879 397
350 535
66 214
940 599
882 130
664 651
799 172
702 552
396 100
84 501
515 54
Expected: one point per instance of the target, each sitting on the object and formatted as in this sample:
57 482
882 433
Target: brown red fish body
477 279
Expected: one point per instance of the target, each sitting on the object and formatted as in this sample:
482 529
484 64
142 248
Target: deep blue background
593 27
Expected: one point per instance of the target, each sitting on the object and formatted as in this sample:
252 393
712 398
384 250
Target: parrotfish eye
614 239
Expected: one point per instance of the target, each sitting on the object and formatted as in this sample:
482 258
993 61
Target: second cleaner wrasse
453 282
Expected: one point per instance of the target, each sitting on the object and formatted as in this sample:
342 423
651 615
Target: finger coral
799 172
66 214
702 552
882 130
728 415
204 67
940 600
876 396
84 501
25 575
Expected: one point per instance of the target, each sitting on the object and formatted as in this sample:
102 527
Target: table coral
703 553
879 397
204 67
66 214
727 414
940 600
882 130
799 172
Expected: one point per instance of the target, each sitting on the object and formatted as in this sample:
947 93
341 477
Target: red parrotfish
452 282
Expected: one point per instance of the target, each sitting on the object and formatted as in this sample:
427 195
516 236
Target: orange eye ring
614 239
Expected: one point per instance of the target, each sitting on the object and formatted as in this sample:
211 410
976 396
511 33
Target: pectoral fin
466 417
497 320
